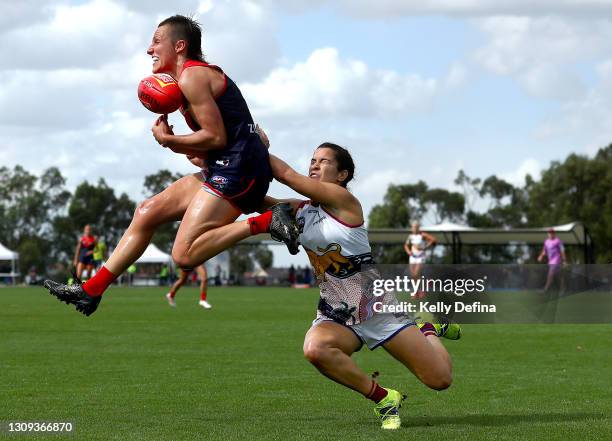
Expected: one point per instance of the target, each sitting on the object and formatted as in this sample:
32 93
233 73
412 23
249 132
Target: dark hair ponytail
343 158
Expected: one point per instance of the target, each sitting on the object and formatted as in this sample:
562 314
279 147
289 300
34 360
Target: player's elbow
217 142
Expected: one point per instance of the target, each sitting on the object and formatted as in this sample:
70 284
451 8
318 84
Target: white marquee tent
455 236
12 256
154 255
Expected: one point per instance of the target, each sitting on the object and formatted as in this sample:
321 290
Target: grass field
139 370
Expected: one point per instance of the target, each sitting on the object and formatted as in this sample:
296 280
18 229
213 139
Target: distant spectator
554 250
164 275
32 277
131 271
218 272
291 276
99 253
307 275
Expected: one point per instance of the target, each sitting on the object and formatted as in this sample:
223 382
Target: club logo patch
219 180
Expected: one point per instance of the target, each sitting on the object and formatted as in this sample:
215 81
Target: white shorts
376 330
417 258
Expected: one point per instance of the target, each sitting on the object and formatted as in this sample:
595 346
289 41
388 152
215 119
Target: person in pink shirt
555 252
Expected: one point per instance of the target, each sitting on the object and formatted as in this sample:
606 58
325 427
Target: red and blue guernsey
240 172
88 243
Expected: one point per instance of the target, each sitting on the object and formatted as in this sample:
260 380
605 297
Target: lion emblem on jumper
328 258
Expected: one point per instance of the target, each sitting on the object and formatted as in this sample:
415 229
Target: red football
160 93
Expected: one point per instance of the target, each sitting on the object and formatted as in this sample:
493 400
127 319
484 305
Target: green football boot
388 409
445 328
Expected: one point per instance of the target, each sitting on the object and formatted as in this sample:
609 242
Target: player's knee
182 260
439 380
146 213
316 354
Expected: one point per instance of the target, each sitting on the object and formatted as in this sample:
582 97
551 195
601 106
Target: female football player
237 178
416 245
202 275
83 255
336 241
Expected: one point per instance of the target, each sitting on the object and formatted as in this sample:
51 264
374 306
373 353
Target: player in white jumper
416 244
336 241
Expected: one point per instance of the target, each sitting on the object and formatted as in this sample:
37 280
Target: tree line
42 220
576 189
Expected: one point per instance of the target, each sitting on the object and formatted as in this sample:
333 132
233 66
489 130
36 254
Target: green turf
139 370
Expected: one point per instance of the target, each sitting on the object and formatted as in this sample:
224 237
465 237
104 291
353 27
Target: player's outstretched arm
329 194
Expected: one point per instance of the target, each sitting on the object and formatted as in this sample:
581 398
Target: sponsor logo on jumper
222 162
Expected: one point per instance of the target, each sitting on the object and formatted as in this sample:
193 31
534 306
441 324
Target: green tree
577 189
405 203
98 206
28 207
263 256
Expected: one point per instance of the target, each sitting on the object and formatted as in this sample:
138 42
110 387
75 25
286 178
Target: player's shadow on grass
497 420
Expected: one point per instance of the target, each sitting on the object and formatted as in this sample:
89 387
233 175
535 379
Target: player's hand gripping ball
160 93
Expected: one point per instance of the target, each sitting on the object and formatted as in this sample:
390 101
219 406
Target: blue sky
416 89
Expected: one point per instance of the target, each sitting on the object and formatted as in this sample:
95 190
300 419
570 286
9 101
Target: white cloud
585 122
367 9
240 36
77 36
529 166
326 85
371 188
17 13
543 53
69 97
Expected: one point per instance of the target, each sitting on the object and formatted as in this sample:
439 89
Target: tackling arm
326 193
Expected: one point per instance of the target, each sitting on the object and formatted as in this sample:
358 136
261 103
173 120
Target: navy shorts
86 259
245 194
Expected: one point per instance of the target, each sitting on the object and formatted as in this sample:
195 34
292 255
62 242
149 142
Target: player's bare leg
79 269
416 269
205 212
87 268
208 228
328 346
176 286
167 206
425 356
203 275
